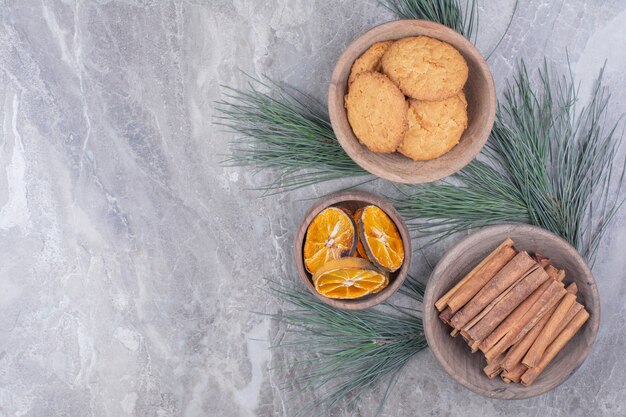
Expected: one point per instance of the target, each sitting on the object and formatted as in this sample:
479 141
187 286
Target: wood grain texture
479 91
353 200
453 353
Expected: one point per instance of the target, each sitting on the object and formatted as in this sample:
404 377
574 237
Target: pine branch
548 165
449 13
284 130
354 350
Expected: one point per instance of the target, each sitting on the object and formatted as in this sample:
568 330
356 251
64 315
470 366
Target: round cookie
435 127
370 60
377 112
425 68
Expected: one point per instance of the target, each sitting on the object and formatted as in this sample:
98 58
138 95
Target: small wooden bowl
353 200
453 353
481 106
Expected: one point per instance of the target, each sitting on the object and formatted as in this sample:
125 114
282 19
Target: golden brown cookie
435 127
377 112
370 60
425 68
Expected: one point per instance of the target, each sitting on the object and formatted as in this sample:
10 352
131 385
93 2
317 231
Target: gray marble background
131 259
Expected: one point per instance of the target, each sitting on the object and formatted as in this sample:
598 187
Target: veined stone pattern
132 261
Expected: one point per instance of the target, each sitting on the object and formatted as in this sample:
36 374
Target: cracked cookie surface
435 127
425 68
377 112
370 60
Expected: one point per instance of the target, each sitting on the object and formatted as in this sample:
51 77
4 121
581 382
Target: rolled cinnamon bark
550 298
487 309
473 345
570 315
572 288
551 271
493 367
515 374
500 311
555 347
541 260
499 253
466 336
482 277
514 317
549 332
515 355
446 315
556 274
509 274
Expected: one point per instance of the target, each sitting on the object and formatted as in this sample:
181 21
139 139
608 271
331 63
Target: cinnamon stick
549 332
541 260
556 274
446 315
550 298
515 374
570 315
551 271
509 274
505 246
482 277
473 345
515 355
555 347
493 367
500 311
487 309
466 336
514 317
572 288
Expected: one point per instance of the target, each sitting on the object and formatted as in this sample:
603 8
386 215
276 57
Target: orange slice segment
383 286
348 278
360 250
331 235
381 239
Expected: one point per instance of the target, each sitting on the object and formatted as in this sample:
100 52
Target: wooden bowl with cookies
412 101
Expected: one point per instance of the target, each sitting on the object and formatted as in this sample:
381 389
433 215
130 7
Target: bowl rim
337 112
368 198
430 315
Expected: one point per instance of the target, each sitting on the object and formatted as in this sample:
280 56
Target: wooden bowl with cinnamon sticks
511 311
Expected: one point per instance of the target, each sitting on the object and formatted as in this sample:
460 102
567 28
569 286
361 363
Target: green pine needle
545 164
285 130
446 12
354 350
548 165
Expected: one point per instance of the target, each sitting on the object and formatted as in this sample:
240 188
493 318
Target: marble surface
132 260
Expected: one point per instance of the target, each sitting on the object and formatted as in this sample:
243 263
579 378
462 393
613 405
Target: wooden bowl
453 353
481 106
353 200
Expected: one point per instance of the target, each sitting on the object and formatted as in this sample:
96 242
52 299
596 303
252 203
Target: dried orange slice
331 235
383 286
349 278
360 250
381 239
